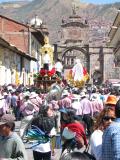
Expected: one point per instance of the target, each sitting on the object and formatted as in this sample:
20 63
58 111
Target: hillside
53 11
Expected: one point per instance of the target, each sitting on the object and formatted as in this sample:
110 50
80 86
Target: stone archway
70 53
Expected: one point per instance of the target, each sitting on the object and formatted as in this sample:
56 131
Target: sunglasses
107 118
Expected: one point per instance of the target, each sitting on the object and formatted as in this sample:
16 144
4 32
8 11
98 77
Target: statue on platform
47 74
78 75
47 54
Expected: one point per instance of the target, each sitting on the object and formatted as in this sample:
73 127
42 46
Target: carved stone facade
114 36
99 61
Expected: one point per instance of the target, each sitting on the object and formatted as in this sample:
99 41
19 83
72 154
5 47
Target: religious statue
78 75
77 71
47 52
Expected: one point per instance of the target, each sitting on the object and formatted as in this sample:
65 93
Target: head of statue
77 61
46 40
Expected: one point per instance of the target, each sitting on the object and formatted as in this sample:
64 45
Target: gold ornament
47 48
78 84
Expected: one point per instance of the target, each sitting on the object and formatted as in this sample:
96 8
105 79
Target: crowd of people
81 116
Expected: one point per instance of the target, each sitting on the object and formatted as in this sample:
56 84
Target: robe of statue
77 71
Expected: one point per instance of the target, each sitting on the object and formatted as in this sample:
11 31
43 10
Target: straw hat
111 100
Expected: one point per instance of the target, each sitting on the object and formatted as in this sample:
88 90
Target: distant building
27 40
114 36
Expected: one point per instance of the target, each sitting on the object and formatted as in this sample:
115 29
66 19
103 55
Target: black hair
117 109
71 113
74 156
42 120
11 125
43 110
58 60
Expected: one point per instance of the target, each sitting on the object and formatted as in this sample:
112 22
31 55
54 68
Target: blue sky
100 1
10 0
89 1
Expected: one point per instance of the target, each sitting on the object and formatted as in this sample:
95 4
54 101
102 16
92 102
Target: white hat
1 97
84 90
33 95
65 93
76 96
5 94
7 118
82 94
26 94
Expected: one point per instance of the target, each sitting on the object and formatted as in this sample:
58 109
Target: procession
66 114
59 92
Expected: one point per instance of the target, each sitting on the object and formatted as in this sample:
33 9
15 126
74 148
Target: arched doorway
70 53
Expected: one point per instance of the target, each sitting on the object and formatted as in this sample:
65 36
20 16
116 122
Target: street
29 151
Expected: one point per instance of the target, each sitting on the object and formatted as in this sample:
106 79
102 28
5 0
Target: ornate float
78 75
45 78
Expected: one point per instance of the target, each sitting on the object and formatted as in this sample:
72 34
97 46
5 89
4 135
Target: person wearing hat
29 108
111 138
111 100
87 112
11 146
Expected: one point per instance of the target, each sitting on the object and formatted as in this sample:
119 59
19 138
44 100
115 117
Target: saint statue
78 75
77 71
47 53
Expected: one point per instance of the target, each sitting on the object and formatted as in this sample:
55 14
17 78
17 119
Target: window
72 61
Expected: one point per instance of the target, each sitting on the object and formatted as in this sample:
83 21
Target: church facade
74 43
114 42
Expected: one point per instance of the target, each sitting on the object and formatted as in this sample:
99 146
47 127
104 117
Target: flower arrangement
45 78
45 73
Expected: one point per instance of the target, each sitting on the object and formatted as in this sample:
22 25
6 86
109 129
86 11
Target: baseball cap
7 118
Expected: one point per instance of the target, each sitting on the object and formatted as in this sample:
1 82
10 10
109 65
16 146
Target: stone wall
117 72
109 71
